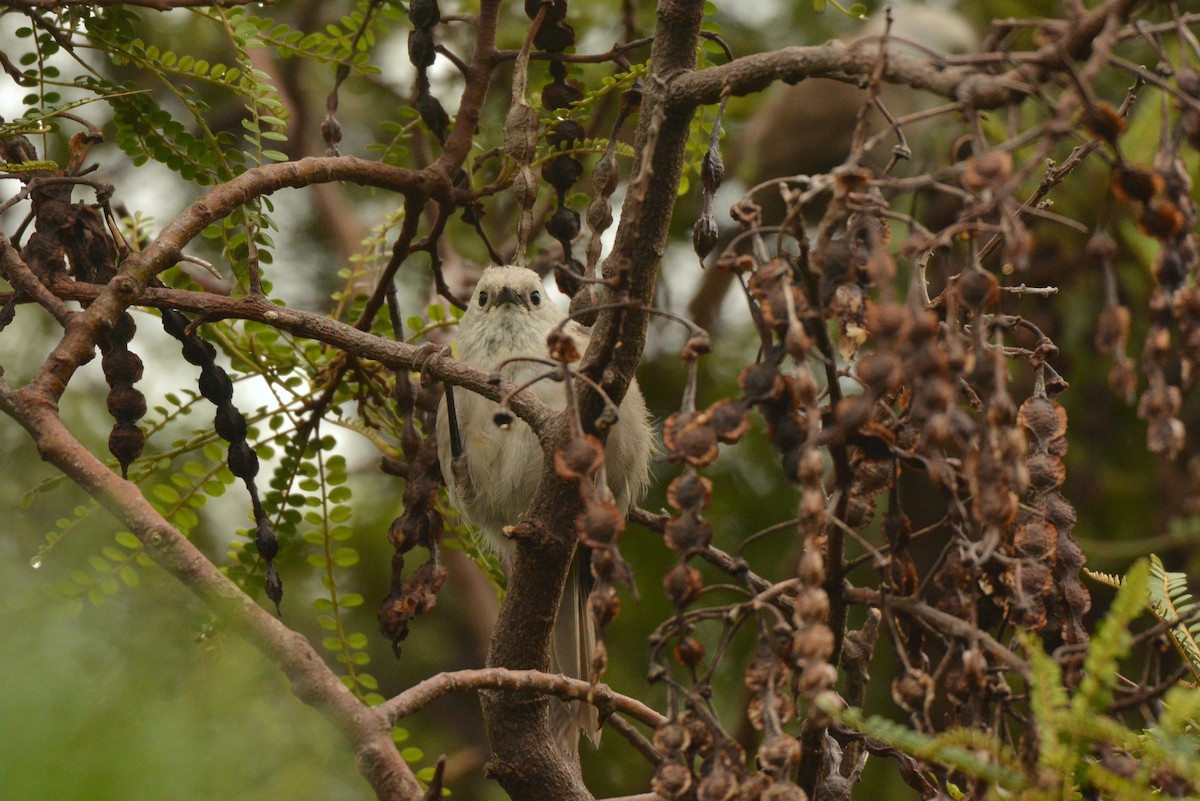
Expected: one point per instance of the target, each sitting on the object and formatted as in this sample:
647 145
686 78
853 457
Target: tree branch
756 72
367 729
525 681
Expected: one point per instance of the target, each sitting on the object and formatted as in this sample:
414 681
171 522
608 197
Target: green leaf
345 557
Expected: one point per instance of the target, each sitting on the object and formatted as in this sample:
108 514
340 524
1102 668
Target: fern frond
984 758
1111 643
1107 579
1172 604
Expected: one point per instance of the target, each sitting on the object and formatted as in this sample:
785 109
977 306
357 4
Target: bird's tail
572 651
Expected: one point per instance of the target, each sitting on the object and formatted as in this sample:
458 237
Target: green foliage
1081 748
1167 596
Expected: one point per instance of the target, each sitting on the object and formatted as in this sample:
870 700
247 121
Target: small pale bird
493 481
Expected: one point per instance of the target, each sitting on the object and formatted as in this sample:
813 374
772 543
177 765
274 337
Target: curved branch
367 729
526 681
756 72
363 344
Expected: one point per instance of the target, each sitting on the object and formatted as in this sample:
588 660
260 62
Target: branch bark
366 728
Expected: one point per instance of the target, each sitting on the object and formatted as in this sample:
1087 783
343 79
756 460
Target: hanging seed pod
122 369
230 424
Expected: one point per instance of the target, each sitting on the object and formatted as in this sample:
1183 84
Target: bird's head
507 290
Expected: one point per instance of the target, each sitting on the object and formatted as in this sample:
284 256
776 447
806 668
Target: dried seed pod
778 754
697 443
520 133
729 420
1104 121
719 785
671 739
562 347
978 289
683 584
671 780
987 169
578 458
690 492
689 652
881 372
704 235
600 525
424 13
1131 183
687 533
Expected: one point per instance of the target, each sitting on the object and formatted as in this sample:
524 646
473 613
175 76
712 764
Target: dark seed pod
563 225
562 172
554 38
421 49
704 235
712 170
424 13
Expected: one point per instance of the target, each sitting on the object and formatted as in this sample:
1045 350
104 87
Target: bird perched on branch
493 479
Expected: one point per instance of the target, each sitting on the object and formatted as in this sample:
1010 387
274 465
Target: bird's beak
509 295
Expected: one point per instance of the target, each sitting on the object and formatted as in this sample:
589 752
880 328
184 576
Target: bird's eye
482 298
535 298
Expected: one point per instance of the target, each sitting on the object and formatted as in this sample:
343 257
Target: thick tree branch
756 72
344 337
525 760
367 729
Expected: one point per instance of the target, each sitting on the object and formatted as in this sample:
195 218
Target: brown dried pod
1132 183
882 371
778 754
987 169
705 235
671 739
1043 418
687 533
812 644
690 492
812 568
122 366
888 320
1046 472
760 382
797 341
672 428
1034 539
977 289
913 690
520 132
683 584
753 786
702 736
816 679
604 603
561 94
600 525
729 420
1162 219
689 652
671 780
811 606
562 347
1112 330
697 443
1104 121
720 784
